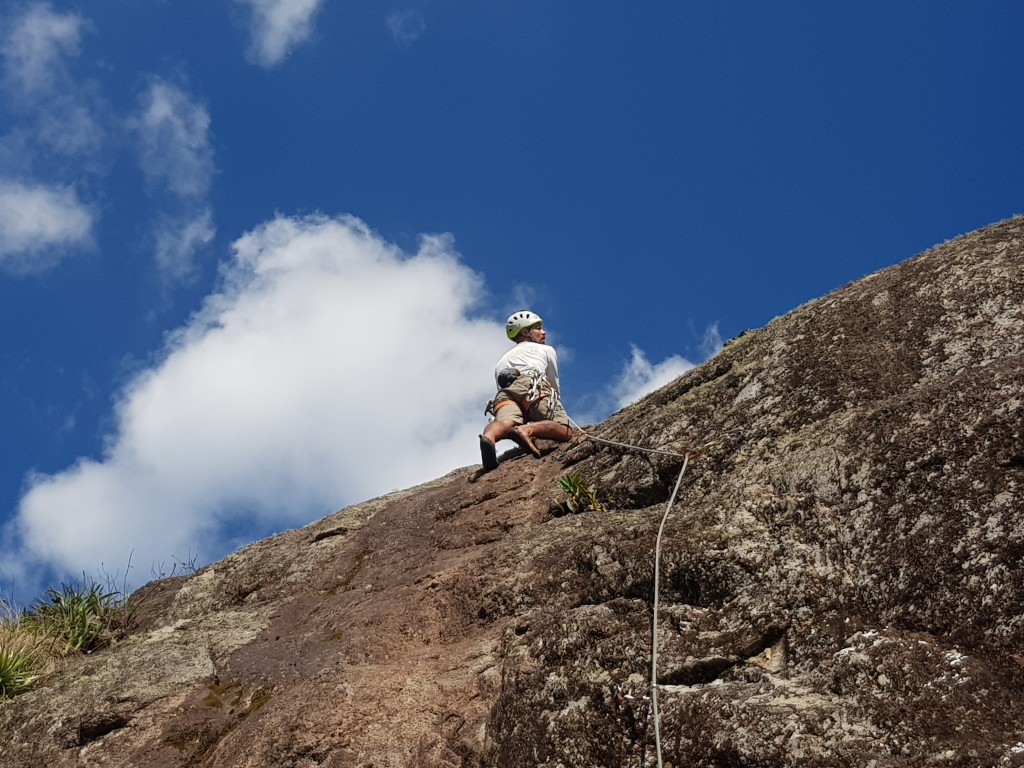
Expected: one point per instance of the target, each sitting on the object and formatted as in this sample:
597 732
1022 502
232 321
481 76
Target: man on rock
527 405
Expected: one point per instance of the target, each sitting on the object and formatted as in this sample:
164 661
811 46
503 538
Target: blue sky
255 255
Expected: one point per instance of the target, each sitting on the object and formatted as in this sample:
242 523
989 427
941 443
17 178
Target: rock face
841 579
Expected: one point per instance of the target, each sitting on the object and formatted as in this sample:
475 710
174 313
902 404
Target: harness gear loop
541 388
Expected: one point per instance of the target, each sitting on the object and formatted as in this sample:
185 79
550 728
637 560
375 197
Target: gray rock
840 580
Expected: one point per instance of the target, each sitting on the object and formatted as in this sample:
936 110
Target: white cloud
329 368
39 223
61 116
173 132
174 140
35 47
406 26
178 239
640 378
60 108
53 120
278 26
711 344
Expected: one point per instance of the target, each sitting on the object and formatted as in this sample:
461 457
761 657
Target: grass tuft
73 619
81 617
578 496
24 659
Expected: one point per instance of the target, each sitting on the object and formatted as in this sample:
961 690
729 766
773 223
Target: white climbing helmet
517 321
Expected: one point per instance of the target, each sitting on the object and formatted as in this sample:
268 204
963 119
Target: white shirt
530 355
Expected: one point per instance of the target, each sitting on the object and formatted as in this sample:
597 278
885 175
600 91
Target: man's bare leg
493 432
547 430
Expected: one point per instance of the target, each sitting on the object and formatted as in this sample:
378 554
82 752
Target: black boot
488 456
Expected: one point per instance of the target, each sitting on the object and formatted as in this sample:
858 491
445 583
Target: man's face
537 334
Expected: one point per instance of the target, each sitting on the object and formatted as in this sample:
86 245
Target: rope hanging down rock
654 619
655 714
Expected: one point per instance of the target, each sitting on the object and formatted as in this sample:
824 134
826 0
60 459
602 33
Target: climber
527 405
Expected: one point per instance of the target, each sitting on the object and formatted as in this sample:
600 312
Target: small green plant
23 658
80 618
17 672
580 496
73 619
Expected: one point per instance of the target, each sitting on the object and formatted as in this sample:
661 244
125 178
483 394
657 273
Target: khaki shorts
511 404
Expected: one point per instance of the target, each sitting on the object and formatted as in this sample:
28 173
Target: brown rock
841 580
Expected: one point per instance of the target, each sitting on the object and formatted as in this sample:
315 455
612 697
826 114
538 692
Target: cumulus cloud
330 367
40 223
406 26
277 26
639 377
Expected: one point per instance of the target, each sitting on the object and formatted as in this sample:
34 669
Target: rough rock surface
841 578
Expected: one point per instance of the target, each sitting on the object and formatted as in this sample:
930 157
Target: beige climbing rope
655 713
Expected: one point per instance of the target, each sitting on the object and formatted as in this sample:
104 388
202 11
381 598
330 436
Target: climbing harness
539 389
687 457
493 405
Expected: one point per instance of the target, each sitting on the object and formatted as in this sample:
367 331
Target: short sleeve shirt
528 355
